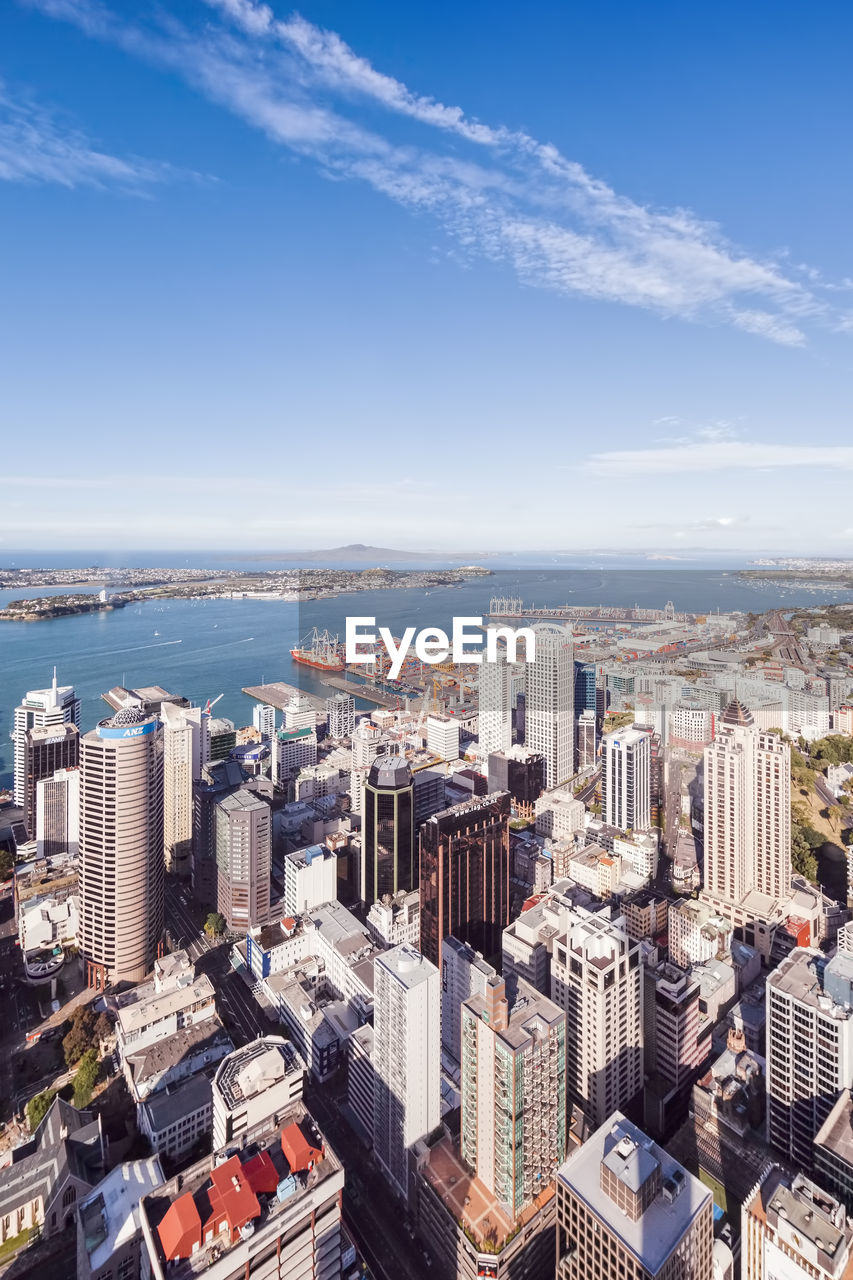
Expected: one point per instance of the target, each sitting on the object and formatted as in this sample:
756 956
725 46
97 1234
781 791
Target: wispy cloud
718 455
500 193
36 147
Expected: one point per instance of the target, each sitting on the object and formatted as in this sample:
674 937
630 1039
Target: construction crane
211 705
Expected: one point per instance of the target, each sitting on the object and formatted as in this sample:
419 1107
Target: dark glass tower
388 835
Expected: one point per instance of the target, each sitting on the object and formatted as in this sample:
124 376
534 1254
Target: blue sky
456 276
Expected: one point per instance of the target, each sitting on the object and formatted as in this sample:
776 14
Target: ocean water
202 649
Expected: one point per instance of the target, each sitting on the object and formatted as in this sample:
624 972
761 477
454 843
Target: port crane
212 704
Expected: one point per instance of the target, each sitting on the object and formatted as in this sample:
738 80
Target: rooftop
135 1017
167 1106
110 1215
658 1231
531 1016
407 965
803 975
836 1132
255 1068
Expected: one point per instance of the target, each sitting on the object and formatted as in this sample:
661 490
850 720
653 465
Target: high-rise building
292 750
406 1059
671 1024
218 778
310 878
513 1086
388 829
747 810
263 719
58 813
121 847
182 760
243 859
340 715
220 737
443 737
626 780
626 1208
792 1228
585 683
299 713
46 749
464 875
40 708
464 973
595 979
495 700
809 1033
549 715
520 771
586 740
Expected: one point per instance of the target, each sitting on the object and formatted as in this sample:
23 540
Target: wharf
279 694
365 691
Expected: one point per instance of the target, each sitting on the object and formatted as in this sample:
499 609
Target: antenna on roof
54 679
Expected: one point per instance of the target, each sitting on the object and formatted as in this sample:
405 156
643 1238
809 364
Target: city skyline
309 234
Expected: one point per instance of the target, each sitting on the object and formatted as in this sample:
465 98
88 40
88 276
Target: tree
214 925
38 1107
804 841
81 1035
7 862
103 1028
84 1080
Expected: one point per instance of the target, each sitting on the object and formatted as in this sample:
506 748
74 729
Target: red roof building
180 1230
298 1151
233 1203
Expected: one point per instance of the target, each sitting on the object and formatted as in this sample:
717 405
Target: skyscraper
340 713
586 740
263 718
406 1059
809 1047
388 831
182 759
58 813
121 847
626 762
747 810
585 684
595 979
464 973
41 707
243 859
549 720
513 1087
46 749
626 1208
495 705
464 875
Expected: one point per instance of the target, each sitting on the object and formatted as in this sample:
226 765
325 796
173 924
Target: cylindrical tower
121 847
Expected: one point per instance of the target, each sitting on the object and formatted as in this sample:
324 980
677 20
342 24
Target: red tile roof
232 1199
298 1151
261 1173
180 1229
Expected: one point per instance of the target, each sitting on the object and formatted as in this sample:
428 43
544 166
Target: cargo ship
319 649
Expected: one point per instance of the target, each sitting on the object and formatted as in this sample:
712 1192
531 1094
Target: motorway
785 644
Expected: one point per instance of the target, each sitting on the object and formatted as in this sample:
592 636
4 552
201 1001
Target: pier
279 694
365 691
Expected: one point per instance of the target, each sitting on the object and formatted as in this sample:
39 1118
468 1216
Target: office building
396 919
464 973
243 859
177 1118
388 862
626 761
406 1060
263 719
253 1087
443 737
464 875
310 878
58 813
625 1207
833 1150
595 980
728 1118
495 705
747 810
182 761
274 1213
109 1237
513 1086
40 708
121 847
793 1229
809 1037
559 815
585 688
220 737
46 748
549 718
293 749
218 779
586 741
520 771
340 716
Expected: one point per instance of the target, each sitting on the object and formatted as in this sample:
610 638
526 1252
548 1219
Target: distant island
137 585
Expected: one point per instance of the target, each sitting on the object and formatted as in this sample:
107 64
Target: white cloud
35 148
515 201
718 455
